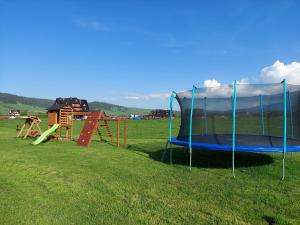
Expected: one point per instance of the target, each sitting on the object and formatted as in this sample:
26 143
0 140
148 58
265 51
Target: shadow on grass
202 158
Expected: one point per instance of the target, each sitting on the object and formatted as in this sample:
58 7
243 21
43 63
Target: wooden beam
125 132
118 133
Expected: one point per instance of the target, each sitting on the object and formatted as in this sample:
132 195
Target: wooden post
125 134
118 133
21 131
39 128
29 129
99 133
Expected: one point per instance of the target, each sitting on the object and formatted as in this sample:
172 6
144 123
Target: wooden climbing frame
97 120
30 127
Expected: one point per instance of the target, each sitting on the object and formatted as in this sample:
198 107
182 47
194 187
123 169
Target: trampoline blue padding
221 145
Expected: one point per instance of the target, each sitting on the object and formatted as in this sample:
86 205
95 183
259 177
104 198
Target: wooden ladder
107 130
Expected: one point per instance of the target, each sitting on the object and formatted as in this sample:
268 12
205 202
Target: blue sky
135 52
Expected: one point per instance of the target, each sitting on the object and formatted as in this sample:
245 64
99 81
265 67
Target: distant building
78 105
158 114
13 113
135 117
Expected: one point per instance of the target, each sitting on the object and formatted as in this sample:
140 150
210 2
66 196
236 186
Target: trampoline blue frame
238 148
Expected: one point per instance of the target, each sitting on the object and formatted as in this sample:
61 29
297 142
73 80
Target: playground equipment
239 118
30 127
95 121
62 115
45 134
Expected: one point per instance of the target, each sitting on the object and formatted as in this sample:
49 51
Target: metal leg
190 158
164 153
233 172
283 166
171 154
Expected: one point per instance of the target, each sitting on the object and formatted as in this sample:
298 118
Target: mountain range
29 105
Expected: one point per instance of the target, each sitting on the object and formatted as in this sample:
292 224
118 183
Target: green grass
61 183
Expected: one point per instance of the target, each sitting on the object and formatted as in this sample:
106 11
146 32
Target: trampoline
259 118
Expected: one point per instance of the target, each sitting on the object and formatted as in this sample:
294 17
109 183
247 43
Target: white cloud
215 89
244 80
92 24
214 83
133 97
279 71
156 96
211 83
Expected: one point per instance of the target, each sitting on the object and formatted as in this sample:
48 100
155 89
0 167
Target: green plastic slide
45 134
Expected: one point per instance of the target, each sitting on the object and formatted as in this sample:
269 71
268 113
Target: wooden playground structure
64 117
97 120
30 127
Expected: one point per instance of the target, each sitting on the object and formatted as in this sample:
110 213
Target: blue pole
291 113
171 114
171 124
205 115
284 128
233 125
262 115
191 125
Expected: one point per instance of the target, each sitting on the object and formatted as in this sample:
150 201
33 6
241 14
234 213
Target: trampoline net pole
262 115
205 116
291 113
171 115
171 125
284 128
233 125
191 125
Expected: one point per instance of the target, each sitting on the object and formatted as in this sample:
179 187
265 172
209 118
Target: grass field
61 183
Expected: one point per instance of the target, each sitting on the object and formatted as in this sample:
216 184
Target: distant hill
29 105
15 99
112 109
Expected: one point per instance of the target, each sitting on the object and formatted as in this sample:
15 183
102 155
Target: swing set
30 128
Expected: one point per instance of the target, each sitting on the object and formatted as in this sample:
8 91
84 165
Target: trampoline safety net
259 115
